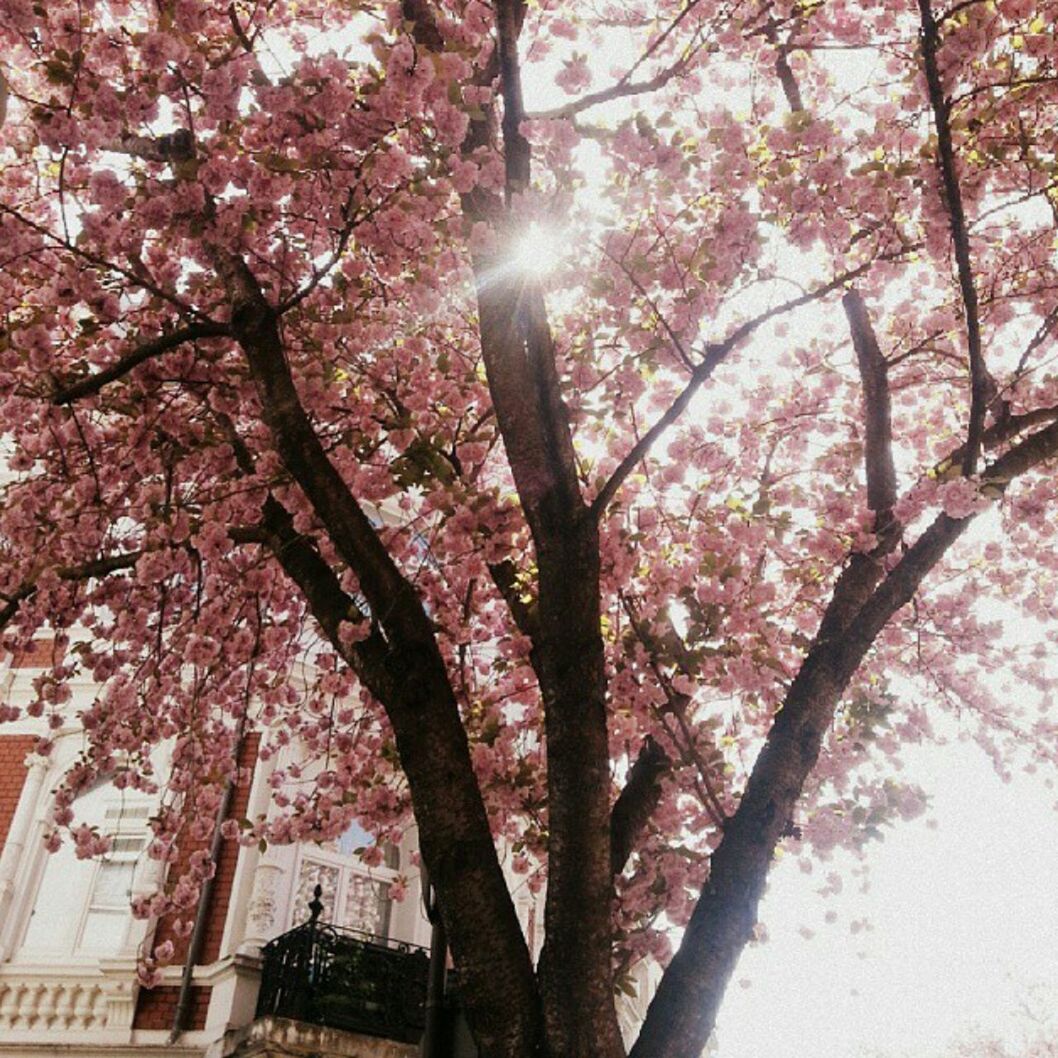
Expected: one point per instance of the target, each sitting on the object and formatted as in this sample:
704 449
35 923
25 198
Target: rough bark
576 962
637 802
517 349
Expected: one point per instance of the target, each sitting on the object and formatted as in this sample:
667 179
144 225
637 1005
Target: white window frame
127 849
125 819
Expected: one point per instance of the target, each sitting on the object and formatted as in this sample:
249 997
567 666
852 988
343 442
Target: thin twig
625 86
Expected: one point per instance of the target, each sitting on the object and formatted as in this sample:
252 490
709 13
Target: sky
963 922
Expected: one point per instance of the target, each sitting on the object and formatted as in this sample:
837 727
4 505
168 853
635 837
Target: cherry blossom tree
562 421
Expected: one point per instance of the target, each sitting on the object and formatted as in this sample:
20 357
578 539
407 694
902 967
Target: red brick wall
13 750
156 1007
39 654
157 1004
229 856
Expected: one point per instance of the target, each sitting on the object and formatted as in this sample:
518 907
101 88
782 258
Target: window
107 917
80 908
354 896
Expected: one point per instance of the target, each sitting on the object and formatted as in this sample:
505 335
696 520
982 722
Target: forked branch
456 842
714 357
684 1008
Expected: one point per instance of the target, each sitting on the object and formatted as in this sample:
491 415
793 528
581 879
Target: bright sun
536 251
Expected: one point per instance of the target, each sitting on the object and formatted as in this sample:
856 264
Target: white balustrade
49 1001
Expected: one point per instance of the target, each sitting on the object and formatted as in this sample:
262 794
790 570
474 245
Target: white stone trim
13 855
67 1002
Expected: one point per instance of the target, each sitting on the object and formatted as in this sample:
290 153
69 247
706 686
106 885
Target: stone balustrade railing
47 1000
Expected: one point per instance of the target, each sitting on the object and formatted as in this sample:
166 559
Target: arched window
81 909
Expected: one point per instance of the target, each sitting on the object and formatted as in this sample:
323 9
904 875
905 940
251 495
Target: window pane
112 885
309 876
104 930
366 904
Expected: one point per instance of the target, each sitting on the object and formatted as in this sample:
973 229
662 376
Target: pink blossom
962 498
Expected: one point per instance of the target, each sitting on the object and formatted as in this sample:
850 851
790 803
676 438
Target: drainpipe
433 1035
198 931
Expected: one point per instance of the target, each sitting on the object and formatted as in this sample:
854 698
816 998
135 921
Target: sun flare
535 252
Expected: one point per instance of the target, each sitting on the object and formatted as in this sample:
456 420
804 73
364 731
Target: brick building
69 944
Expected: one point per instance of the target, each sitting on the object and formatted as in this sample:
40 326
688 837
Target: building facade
302 950
68 941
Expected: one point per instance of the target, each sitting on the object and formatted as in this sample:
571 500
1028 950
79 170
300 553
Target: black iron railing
345 979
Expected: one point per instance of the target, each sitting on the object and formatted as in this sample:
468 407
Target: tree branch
576 963
636 802
642 447
178 146
673 649
1042 334
237 29
505 577
625 86
90 570
516 340
516 152
674 338
620 90
982 387
715 355
300 558
92 384
255 325
137 281
456 842
877 412
790 88
424 29
1000 432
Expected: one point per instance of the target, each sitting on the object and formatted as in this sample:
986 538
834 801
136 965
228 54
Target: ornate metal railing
345 979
